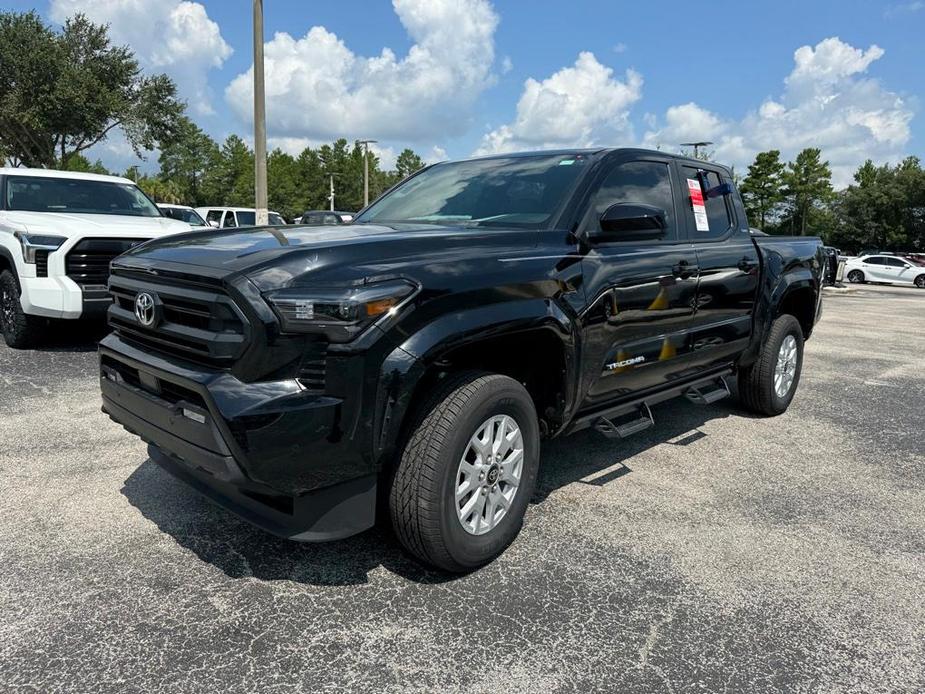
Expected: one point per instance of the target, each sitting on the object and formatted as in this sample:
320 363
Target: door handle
683 270
746 265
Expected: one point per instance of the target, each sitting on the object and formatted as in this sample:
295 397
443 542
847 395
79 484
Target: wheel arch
528 345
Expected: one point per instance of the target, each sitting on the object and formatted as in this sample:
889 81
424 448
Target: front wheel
467 472
856 277
768 385
20 330
920 281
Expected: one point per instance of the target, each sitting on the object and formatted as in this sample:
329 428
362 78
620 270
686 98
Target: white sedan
890 269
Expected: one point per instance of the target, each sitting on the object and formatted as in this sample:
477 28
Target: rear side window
229 220
719 215
644 182
875 261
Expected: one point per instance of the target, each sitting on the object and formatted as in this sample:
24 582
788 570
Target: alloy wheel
785 370
489 474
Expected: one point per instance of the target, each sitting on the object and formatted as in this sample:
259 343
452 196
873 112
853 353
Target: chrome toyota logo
144 309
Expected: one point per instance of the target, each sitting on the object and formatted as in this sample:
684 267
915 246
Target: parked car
58 232
888 269
183 213
324 218
225 217
419 355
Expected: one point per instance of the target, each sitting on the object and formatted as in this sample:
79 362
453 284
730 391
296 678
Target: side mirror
213 224
627 221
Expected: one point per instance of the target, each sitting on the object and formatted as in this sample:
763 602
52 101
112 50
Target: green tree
884 209
63 92
80 163
407 163
230 181
763 187
808 182
186 160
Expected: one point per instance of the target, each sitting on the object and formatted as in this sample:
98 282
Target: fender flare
402 370
787 282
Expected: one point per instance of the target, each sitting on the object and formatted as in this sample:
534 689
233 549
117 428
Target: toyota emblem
145 309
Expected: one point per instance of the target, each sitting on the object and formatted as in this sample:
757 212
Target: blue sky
464 76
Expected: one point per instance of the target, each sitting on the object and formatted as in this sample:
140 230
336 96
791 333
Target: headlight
341 313
31 243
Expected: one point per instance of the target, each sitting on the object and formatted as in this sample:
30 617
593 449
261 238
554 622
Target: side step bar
704 389
640 421
708 393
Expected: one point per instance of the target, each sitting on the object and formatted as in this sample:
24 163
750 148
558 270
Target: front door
640 294
729 265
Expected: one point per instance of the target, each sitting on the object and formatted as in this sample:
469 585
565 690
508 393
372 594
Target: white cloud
827 102
506 65
580 105
318 88
172 36
620 48
437 153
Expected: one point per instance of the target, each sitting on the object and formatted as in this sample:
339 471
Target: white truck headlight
31 243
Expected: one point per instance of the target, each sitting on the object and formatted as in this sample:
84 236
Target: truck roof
54 173
592 151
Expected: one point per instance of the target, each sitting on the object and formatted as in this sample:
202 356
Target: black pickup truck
414 359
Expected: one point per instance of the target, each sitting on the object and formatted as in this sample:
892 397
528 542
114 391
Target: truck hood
72 225
276 257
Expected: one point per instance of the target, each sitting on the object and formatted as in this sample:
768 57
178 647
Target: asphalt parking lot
716 552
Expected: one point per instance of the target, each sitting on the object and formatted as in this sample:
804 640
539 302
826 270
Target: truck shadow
239 550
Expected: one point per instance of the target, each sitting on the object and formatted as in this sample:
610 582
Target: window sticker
700 210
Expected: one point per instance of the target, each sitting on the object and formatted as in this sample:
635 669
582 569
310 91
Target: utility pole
260 120
696 146
331 196
366 144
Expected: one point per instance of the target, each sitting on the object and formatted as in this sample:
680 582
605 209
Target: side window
896 262
642 182
718 214
875 261
331 219
229 219
214 216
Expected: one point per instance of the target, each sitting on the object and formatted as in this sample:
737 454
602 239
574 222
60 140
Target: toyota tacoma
413 361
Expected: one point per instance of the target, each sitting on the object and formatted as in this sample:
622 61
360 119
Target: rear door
875 269
640 294
728 261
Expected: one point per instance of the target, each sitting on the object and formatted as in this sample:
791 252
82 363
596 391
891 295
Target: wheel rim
7 309
920 281
786 368
854 276
489 474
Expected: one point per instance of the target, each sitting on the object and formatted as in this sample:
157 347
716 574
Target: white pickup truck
59 231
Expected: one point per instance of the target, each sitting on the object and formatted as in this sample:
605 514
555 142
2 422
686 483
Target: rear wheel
920 281
768 385
20 330
467 472
856 277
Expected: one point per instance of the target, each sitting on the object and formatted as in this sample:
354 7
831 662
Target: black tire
756 382
856 277
422 502
20 331
920 282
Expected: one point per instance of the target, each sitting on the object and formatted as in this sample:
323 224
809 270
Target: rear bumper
269 452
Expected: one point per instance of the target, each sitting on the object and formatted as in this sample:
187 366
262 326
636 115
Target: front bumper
61 297
270 452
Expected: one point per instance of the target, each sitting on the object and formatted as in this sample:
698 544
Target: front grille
88 261
193 323
41 263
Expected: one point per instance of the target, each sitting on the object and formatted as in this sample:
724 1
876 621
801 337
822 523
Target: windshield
191 217
522 192
35 194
